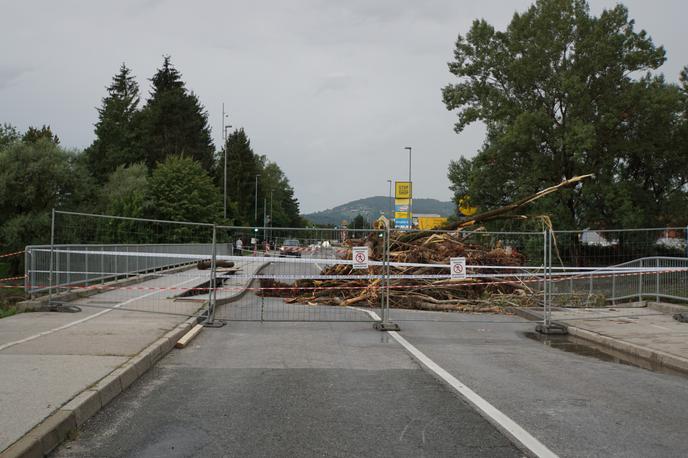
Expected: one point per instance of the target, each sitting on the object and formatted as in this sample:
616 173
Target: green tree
36 177
8 135
32 135
180 190
173 121
124 192
116 131
556 94
242 167
359 222
280 195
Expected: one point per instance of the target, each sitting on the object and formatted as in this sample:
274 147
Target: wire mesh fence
281 274
297 274
609 266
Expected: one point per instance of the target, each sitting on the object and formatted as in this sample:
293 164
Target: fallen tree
420 251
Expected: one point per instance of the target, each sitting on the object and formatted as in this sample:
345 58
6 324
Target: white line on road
512 428
83 320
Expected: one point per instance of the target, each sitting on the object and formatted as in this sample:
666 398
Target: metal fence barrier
307 274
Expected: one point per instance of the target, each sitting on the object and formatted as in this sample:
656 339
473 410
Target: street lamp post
224 146
255 211
410 210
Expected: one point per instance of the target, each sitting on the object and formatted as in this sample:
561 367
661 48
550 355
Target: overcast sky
330 90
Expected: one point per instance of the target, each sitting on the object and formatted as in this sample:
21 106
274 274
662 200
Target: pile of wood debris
484 294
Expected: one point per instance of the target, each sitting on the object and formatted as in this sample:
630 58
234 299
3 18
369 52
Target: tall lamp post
224 146
410 211
391 215
255 211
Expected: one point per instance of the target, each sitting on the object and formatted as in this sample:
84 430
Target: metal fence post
212 285
52 252
640 282
657 280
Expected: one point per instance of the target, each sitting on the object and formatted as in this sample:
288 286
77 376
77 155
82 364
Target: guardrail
86 264
655 277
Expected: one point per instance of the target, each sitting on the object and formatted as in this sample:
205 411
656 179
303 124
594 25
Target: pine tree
242 168
173 121
34 135
115 142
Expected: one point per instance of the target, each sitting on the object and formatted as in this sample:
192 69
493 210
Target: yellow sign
431 222
402 190
401 215
402 202
465 206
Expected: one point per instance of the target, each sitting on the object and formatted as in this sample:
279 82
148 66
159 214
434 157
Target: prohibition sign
360 258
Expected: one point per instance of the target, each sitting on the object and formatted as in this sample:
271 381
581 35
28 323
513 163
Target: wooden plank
186 338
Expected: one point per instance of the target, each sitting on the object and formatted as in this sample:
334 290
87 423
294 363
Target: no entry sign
360 257
458 267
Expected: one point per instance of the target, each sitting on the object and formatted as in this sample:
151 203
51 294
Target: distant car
290 247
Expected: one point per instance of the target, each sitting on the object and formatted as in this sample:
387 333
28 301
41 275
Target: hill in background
371 207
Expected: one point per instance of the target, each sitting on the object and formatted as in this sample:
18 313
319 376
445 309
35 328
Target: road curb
655 357
63 423
667 360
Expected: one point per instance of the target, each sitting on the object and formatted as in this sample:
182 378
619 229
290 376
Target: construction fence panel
123 263
296 274
597 268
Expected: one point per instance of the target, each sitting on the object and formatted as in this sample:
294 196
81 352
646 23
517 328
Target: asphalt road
289 389
577 405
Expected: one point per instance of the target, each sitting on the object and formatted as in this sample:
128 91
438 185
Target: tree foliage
557 94
33 135
116 131
173 121
180 190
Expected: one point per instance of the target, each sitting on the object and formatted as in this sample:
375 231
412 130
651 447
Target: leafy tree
174 122
36 177
242 167
116 142
556 94
124 192
33 135
279 193
8 135
180 190
359 222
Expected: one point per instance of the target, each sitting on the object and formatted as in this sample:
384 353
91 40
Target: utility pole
255 209
224 147
391 215
271 213
265 211
410 210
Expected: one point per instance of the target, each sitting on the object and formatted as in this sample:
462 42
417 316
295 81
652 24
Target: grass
8 296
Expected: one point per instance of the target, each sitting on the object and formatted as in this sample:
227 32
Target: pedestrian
239 247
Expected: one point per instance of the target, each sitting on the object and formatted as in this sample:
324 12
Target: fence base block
551 329
386 326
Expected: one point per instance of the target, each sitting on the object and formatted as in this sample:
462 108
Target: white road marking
83 320
513 429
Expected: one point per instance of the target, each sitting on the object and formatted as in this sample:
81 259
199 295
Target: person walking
239 247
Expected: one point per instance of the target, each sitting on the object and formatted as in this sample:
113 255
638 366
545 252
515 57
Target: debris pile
484 293
473 294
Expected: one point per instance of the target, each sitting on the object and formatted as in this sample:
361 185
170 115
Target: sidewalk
58 369
649 333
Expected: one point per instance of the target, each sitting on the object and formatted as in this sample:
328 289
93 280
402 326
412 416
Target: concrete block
127 375
142 363
108 388
55 429
29 446
84 406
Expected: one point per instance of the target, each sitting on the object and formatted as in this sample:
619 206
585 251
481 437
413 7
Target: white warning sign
360 257
458 267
